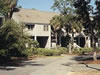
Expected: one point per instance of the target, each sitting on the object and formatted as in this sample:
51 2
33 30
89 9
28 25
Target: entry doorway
80 41
42 41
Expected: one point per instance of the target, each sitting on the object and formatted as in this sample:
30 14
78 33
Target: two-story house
38 28
37 24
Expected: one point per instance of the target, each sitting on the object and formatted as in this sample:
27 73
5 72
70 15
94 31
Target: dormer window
29 26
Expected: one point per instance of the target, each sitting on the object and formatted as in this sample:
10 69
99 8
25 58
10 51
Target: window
30 27
45 27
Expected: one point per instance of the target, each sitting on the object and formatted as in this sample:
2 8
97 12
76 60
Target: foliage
12 38
57 22
3 52
72 22
68 19
84 10
33 44
51 52
91 24
97 17
28 52
68 22
63 50
98 49
7 6
32 48
83 50
48 52
64 6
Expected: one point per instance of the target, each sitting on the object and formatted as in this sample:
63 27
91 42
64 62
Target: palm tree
70 22
73 24
57 24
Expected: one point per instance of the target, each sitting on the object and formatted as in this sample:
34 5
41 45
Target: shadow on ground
80 60
84 59
12 64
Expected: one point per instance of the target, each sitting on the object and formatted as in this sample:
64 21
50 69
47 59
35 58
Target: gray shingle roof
33 16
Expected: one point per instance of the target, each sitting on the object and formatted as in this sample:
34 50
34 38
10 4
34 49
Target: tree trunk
94 48
60 40
70 51
95 56
94 53
71 44
56 37
72 41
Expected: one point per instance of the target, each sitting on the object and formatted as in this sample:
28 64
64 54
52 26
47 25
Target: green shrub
83 50
28 52
63 50
48 52
56 52
33 44
3 52
98 49
32 48
12 39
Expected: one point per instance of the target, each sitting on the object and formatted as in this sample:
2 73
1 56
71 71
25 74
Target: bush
12 39
98 49
28 52
32 48
83 50
3 52
47 52
63 50
33 44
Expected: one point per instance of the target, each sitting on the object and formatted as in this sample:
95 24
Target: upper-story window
46 28
30 27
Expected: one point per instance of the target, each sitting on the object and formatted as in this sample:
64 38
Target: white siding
38 30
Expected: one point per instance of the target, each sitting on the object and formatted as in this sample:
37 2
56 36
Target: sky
43 5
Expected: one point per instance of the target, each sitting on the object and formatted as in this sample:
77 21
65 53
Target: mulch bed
89 59
89 62
85 73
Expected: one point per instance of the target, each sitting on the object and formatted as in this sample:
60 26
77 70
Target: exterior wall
29 32
79 35
53 45
49 38
88 42
38 31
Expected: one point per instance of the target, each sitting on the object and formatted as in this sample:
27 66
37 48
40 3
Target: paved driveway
27 67
48 66
59 67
